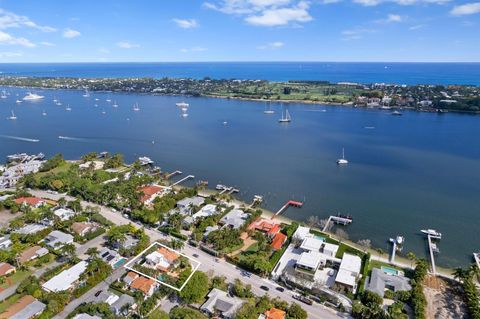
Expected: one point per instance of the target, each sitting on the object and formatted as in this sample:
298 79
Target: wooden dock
394 250
336 220
476 256
183 179
432 257
168 176
288 204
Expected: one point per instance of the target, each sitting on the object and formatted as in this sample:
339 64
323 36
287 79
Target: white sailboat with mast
136 108
268 109
285 117
343 160
13 116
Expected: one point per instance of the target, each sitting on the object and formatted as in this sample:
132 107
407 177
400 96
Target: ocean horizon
409 73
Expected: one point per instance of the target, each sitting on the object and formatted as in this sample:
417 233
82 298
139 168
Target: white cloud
193 49
416 27
268 13
394 18
271 45
127 45
6 38
356 33
104 50
11 20
47 44
186 23
70 33
10 54
368 3
371 3
466 9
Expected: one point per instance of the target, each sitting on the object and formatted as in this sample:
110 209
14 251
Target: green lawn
16 277
379 264
61 168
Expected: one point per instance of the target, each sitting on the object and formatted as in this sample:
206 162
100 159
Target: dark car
281 289
264 288
98 293
195 255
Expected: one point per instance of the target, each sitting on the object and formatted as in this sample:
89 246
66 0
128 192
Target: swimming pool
119 263
389 271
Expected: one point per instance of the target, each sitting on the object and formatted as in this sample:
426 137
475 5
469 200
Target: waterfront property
150 192
349 272
57 239
379 281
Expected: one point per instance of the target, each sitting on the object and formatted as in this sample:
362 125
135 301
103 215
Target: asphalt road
207 263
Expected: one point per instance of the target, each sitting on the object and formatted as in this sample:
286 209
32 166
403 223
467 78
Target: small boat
268 110
220 187
109 100
202 183
342 161
68 108
18 101
44 113
285 117
144 160
435 248
182 105
55 100
348 216
32 97
4 94
400 240
397 113
136 108
432 233
86 94
103 112
13 116
97 99
115 104
184 114
225 123
385 107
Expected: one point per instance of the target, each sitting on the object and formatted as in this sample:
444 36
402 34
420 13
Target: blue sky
239 30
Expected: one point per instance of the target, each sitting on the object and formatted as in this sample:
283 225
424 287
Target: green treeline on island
430 98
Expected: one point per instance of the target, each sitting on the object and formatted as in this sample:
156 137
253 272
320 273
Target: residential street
208 263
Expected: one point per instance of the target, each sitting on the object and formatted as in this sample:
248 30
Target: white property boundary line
197 263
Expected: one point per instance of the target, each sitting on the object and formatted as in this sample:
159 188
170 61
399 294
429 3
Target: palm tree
92 252
459 273
411 256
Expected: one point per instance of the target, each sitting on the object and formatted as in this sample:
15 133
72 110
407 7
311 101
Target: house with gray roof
379 281
221 304
85 316
122 305
234 219
57 239
185 205
5 242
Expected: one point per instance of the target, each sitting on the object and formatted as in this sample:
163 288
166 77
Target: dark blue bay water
400 73
411 172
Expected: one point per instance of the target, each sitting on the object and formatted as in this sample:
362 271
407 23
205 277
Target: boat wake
369 127
18 138
69 138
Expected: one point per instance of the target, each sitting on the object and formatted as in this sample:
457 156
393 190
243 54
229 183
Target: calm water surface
407 173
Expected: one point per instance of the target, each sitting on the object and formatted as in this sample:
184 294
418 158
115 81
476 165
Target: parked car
264 288
195 255
303 299
281 289
98 293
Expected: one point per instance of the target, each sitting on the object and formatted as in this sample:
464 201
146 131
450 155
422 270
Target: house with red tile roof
275 313
145 285
269 227
162 259
150 192
6 269
278 240
31 253
130 277
34 202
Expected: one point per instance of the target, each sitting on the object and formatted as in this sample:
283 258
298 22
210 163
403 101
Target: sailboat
136 108
269 109
342 161
44 113
55 100
13 117
68 108
115 104
86 94
18 101
4 94
285 117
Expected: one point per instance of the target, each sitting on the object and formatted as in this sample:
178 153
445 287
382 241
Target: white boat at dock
18 101
432 233
32 97
144 160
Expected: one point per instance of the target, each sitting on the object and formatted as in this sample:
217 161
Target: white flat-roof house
5 242
312 244
66 279
349 271
330 249
310 261
64 213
